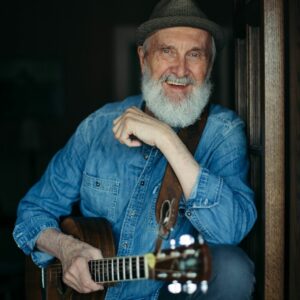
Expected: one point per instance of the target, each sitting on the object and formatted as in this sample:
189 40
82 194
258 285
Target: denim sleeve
52 197
221 205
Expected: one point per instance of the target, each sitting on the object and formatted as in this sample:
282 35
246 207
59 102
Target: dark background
60 61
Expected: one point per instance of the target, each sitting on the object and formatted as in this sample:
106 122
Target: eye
166 50
197 54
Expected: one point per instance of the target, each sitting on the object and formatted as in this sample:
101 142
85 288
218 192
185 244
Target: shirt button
188 213
142 182
206 201
97 183
146 156
125 245
132 213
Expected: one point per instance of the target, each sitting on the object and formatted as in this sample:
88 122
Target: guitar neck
116 269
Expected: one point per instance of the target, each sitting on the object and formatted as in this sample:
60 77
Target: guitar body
44 284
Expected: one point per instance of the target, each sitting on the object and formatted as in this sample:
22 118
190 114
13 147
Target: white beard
175 113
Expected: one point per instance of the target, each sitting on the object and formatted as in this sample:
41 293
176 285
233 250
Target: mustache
179 80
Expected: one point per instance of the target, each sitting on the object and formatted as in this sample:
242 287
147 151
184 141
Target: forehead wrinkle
163 39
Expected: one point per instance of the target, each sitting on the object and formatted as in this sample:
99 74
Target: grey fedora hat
174 13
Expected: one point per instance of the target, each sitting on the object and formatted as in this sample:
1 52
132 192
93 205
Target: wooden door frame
274 146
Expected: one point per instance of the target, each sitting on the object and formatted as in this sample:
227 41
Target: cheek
158 70
200 73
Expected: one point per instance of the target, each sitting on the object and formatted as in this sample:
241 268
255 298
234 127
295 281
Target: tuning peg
175 287
186 240
190 287
172 243
204 286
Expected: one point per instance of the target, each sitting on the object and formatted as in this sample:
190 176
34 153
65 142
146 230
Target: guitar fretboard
118 269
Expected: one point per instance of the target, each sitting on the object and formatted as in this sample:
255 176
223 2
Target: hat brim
149 27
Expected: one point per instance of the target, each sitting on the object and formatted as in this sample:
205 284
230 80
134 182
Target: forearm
181 160
51 241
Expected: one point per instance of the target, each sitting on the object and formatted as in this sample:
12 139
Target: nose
180 67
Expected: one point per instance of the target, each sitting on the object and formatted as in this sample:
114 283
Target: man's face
179 55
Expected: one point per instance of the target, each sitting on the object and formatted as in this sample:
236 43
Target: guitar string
103 264
105 260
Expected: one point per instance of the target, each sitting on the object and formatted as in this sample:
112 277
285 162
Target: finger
133 110
123 128
88 285
79 277
133 142
116 127
72 281
95 254
117 130
117 119
136 110
125 134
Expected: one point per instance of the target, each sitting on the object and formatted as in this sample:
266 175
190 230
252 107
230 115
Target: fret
145 270
124 269
95 266
99 271
133 267
103 274
137 267
121 269
112 270
118 270
130 267
107 270
127 262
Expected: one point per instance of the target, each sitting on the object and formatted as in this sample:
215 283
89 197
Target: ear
142 58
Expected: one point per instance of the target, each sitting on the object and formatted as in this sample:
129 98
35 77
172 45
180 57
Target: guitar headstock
189 263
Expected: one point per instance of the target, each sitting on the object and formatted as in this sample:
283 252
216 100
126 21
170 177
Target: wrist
166 140
64 242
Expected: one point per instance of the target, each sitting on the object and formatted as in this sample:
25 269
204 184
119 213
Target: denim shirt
121 184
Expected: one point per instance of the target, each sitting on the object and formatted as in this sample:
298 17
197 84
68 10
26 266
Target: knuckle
127 118
66 278
126 113
86 283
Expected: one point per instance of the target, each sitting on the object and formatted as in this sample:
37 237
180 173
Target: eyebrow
163 45
199 49
202 49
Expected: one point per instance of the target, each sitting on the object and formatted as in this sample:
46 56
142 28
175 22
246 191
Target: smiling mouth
176 83
179 86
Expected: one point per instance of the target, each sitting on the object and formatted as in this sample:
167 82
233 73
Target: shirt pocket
100 196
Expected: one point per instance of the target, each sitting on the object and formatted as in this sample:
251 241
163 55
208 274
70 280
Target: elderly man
116 160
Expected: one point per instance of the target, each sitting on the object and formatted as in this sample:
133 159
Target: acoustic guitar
185 264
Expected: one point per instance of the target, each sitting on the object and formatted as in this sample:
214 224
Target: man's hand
74 256
134 127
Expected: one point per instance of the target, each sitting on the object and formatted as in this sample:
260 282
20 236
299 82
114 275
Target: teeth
175 83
